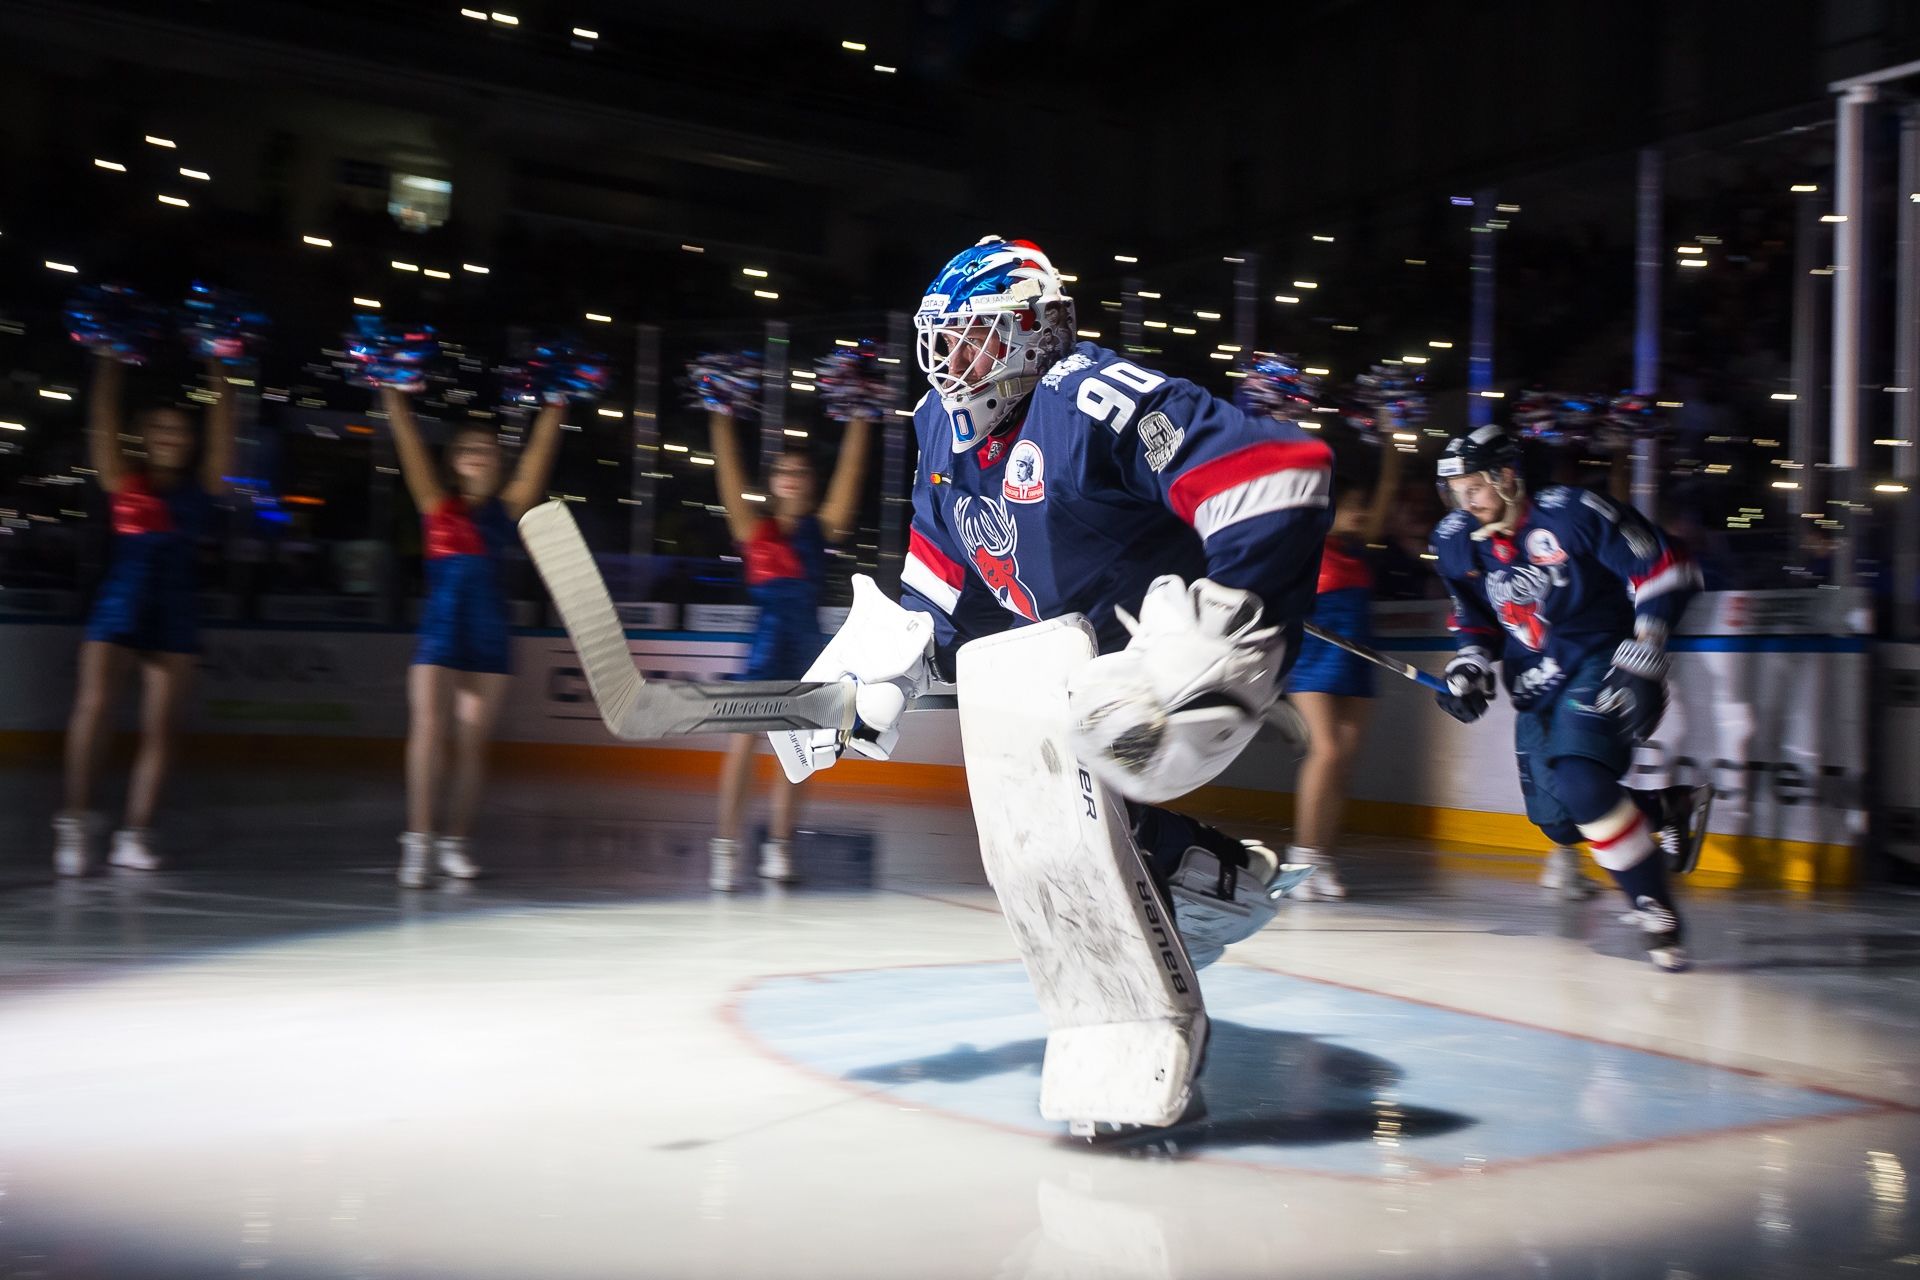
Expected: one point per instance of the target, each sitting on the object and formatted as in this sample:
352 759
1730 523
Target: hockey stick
1407 669
635 707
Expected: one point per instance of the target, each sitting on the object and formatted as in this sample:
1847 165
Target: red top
138 509
1343 564
769 556
450 531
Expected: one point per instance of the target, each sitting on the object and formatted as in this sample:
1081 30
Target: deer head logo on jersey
987 527
1518 595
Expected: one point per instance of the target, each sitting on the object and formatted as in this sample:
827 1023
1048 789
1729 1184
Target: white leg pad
1126 1024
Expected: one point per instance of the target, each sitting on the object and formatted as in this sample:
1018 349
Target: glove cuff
1636 657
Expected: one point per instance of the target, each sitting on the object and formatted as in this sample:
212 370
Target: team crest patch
1161 439
1544 548
1026 474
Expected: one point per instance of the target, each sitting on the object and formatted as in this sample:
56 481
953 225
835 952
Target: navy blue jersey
1575 576
1115 475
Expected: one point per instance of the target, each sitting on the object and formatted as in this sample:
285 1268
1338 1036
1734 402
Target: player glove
1634 694
886 651
1167 713
1470 685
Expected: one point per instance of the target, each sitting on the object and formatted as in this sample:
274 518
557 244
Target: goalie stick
634 707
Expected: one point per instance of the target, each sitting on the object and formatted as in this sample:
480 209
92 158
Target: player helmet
1487 451
990 324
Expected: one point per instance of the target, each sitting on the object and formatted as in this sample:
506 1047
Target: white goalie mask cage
990 324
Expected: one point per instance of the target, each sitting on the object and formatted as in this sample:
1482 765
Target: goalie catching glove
886 651
1171 710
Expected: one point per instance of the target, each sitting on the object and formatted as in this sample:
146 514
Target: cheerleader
462 665
145 615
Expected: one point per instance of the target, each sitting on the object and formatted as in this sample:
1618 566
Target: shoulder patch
1160 439
1554 497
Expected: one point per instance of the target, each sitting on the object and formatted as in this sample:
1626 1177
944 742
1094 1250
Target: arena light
1346 328
1670 404
1437 345
801 386
700 459
1693 262
1786 484
674 448
1219 355
1149 293
1690 248
1285 297
1324 239
50 394
845 342
1229 346
371 304
795 433
1184 330
693 248
757 273
67 267
318 242
175 201
1493 395
476 268
1415 262
883 69
754 497
853 46
1318 373
1206 315
609 413
1414 359
1089 333
152 141
398 265
1879 488
1127 258
599 317
1155 324
583 33
1803 188
767 294
433 273
506 19
805 373
1506 208
1069 278
1235 261
1833 217
111 166
1306 284
198 175
1783 395
13 426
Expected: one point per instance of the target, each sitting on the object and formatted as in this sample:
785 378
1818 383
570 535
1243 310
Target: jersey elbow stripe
932 573
1300 467
1669 574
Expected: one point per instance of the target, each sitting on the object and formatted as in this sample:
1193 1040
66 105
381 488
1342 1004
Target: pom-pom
556 372
1552 418
114 321
222 325
853 384
390 355
1276 384
1630 416
725 382
1387 399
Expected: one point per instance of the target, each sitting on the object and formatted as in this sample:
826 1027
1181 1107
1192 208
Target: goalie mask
1482 455
990 324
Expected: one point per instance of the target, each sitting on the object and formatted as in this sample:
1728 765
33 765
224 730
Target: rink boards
1769 702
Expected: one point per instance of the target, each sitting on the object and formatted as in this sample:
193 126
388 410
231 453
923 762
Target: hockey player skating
1573 596
1058 478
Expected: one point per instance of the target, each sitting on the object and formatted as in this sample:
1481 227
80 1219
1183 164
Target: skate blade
1688 856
